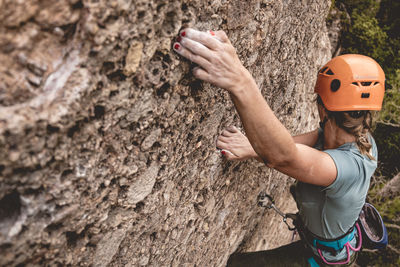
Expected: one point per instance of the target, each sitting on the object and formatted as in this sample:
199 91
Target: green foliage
373 31
366 37
390 209
389 18
391 107
368 7
387 139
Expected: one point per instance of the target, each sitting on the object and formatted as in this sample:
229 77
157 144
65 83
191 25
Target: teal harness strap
312 262
337 244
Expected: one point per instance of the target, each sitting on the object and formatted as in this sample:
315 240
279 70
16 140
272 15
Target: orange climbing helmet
351 82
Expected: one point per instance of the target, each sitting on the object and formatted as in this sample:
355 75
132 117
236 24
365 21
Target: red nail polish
223 152
178 39
212 33
177 46
183 34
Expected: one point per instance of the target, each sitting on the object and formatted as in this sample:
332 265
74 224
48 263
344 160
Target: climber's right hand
216 57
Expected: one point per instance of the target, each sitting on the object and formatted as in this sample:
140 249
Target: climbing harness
320 244
338 244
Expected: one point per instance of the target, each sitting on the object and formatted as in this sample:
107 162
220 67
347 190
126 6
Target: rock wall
107 141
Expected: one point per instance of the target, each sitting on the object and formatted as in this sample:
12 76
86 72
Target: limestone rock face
107 141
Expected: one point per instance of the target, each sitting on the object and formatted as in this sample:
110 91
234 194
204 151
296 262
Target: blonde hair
357 123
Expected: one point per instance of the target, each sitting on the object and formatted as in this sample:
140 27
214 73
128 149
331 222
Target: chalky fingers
197 48
183 51
208 39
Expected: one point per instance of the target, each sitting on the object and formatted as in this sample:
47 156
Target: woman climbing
332 165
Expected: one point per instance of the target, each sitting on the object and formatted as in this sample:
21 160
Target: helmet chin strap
322 123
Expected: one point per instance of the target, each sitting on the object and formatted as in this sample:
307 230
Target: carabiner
265 200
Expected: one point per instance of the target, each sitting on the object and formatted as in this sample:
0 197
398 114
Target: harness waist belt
337 244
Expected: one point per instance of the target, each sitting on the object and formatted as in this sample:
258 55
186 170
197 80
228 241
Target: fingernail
223 152
179 39
183 34
212 33
177 46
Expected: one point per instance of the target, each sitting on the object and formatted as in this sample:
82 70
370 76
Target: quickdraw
266 201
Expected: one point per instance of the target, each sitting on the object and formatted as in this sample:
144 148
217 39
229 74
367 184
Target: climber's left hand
234 145
216 57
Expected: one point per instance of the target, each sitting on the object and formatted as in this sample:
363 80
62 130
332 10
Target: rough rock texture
335 27
108 142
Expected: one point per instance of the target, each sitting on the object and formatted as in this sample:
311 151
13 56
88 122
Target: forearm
308 139
269 138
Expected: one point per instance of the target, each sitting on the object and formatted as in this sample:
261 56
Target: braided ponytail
357 123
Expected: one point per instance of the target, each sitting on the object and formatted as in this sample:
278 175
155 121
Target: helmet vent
329 72
365 95
335 85
366 83
322 70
